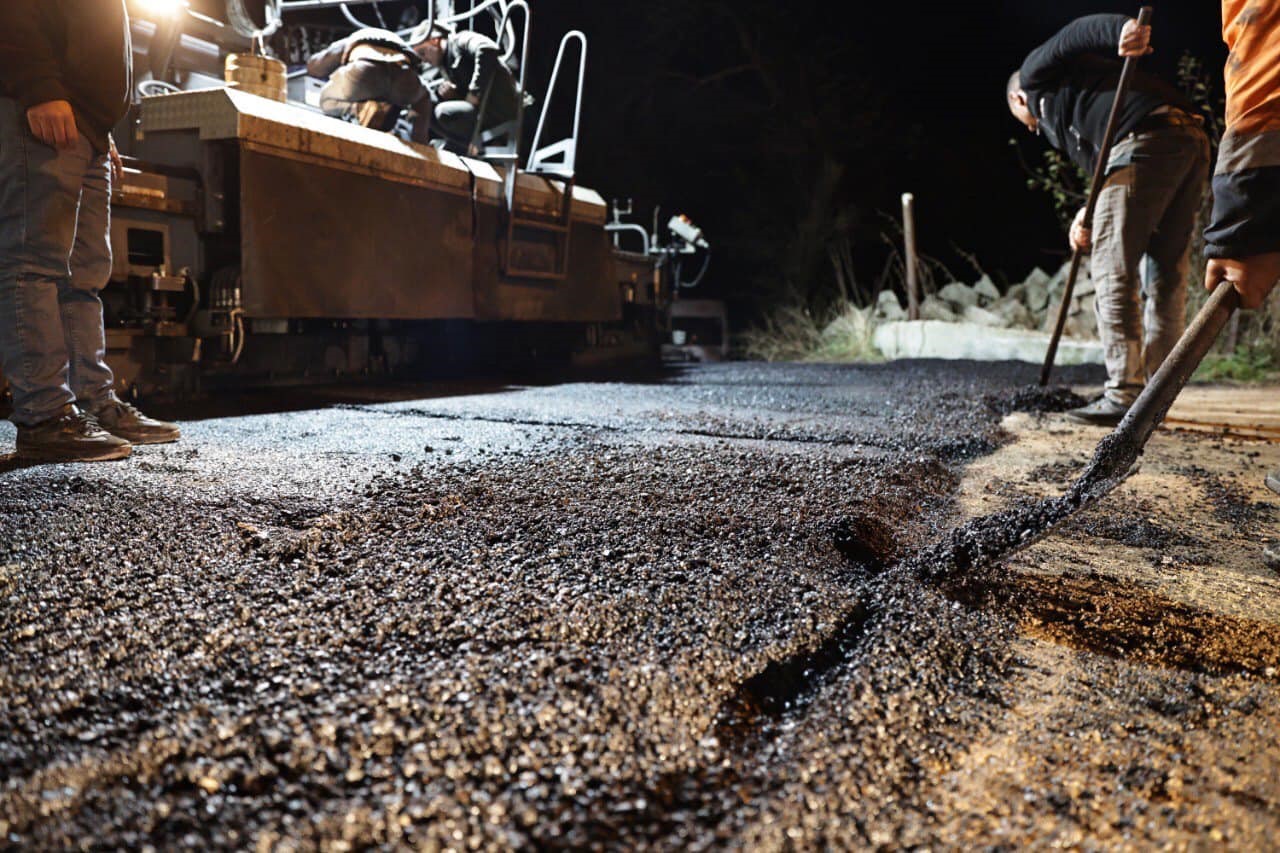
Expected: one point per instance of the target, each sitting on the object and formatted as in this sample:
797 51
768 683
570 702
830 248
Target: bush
794 333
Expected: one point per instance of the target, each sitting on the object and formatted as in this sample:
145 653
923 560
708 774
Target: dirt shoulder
1146 711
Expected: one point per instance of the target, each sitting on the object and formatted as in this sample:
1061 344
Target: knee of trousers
1116 287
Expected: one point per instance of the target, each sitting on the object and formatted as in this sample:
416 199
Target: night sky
919 100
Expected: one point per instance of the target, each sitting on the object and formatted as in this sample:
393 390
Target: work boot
1101 412
1273 481
71 436
123 420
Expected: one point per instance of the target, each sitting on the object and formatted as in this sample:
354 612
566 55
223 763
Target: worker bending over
1155 181
368 69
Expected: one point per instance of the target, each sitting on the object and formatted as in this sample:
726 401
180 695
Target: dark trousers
456 120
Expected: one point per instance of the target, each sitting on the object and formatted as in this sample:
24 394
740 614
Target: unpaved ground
1146 706
677 613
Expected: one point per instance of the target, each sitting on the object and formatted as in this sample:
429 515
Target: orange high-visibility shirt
1251 29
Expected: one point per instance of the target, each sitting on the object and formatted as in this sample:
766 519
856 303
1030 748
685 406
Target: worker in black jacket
474 76
1147 208
65 81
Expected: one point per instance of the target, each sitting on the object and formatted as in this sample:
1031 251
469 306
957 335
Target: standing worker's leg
1119 237
78 300
39 193
1169 249
81 307
39 196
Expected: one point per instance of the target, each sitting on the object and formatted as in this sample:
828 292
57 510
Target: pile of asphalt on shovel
828 742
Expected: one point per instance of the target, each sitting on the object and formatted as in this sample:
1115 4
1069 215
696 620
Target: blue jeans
55 256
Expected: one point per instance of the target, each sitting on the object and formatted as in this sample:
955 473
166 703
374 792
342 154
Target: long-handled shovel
997 536
1099 177
1153 403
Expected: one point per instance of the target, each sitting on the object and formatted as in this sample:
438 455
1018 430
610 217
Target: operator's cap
429 30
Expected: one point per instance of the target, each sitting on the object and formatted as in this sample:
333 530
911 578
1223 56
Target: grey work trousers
55 257
371 80
456 121
1142 229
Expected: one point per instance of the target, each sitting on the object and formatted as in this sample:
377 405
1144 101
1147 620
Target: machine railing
542 160
508 154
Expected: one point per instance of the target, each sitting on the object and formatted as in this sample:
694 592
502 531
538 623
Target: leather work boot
1101 412
1273 481
124 421
71 436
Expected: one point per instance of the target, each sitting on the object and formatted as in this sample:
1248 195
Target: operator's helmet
429 30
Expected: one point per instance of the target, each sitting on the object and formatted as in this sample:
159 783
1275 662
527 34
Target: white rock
1084 281
1014 313
1083 321
983 317
986 290
888 307
1037 276
959 296
933 308
1037 296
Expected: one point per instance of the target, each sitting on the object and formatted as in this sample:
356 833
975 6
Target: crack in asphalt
609 428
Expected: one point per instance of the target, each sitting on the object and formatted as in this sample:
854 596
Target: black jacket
71 50
473 62
1070 82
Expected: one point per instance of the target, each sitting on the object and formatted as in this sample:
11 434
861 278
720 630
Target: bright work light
161 9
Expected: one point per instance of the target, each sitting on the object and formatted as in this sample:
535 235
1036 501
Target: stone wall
1030 305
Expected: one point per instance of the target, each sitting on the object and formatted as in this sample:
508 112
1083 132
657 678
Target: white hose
355 22
238 334
509 35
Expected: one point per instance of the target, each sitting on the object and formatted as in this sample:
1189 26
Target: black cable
697 279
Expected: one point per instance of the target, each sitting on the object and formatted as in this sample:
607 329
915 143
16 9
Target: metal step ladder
530 237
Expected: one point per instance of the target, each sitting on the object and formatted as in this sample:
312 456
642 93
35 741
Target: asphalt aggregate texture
727 606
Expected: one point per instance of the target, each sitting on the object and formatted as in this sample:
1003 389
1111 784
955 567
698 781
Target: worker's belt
1170 117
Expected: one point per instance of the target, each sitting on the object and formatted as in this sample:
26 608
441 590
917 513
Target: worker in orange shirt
1243 240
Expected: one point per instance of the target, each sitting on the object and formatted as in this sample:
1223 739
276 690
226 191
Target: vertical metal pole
910 258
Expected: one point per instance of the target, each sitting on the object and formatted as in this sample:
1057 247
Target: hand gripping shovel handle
1099 177
1153 404
1114 459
